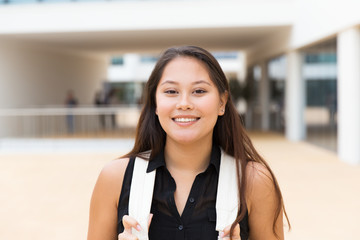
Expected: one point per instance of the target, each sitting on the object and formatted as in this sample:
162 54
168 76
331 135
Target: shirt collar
156 162
159 159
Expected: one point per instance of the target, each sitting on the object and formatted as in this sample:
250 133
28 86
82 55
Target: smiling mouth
185 120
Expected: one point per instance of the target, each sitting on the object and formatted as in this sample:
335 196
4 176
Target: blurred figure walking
99 101
70 102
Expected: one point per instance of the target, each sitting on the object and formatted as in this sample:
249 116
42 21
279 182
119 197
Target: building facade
302 57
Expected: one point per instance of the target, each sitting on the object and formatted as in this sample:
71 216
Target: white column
294 98
241 73
264 97
348 55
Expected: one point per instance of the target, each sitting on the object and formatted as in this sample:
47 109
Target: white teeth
185 120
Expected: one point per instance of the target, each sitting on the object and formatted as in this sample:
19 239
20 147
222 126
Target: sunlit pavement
45 195
322 194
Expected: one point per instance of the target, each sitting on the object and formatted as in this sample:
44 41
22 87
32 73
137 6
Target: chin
187 139
182 138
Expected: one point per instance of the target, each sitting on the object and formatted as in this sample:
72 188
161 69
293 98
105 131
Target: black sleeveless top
198 219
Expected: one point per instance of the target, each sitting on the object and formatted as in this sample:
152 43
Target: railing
58 122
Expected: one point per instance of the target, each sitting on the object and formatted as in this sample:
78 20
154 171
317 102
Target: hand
226 233
130 223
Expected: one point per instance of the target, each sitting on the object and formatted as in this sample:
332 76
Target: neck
194 157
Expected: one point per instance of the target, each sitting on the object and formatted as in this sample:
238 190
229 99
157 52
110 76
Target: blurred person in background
70 102
187 121
112 100
100 102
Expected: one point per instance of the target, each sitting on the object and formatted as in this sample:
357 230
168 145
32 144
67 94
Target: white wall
312 20
236 66
132 69
270 47
142 15
316 20
34 75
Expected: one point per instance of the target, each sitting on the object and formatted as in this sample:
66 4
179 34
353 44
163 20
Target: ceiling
215 39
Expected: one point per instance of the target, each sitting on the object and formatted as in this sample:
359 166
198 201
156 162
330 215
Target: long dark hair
228 132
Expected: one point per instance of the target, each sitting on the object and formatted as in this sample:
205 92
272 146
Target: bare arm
104 201
262 204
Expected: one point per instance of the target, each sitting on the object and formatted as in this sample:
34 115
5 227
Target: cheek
163 112
158 102
210 105
162 106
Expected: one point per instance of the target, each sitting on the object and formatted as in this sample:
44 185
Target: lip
185 120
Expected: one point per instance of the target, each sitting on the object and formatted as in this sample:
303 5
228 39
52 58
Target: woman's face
188 102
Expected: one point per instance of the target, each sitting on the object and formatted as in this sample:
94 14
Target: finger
126 236
130 223
236 232
150 218
225 234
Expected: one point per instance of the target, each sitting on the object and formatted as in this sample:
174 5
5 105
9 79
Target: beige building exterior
48 48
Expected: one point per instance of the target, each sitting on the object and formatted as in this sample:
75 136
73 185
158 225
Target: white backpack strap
227 199
141 194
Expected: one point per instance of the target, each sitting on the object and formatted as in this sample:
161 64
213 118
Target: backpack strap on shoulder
141 193
227 199
142 188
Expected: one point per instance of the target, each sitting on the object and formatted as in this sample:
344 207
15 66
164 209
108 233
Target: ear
223 101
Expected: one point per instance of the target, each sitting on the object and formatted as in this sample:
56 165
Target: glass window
117 60
320 58
321 94
225 55
148 59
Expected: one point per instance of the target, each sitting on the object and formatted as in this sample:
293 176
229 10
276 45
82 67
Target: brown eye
199 91
171 92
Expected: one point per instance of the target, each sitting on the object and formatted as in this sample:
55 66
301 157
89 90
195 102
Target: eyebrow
177 83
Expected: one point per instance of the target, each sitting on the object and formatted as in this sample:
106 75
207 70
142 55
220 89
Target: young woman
187 118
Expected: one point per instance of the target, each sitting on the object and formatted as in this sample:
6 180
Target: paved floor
46 195
322 194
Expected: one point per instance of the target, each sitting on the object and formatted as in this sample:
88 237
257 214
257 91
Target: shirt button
181 227
191 200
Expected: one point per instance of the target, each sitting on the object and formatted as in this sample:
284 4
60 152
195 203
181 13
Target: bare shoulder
114 171
104 200
264 203
260 185
258 173
111 177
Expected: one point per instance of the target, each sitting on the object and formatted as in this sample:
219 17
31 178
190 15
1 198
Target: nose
184 103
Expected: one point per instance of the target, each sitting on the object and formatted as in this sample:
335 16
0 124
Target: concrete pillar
264 97
294 98
348 55
241 73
